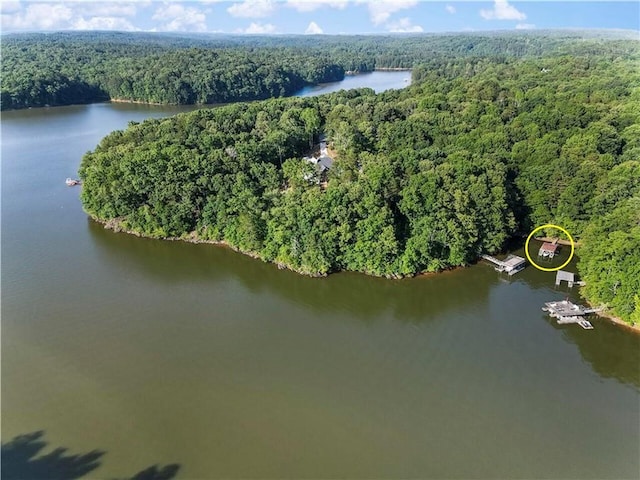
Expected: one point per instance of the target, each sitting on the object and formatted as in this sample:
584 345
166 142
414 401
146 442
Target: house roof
325 161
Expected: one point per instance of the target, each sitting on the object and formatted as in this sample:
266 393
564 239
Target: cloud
104 23
313 29
451 9
381 10
252 9
7 7
38 16
180 18
403 26
258 28
71 15
311 5
502 11
106 9
525 26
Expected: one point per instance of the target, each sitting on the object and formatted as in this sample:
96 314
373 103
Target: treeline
67 68
38 73
425 178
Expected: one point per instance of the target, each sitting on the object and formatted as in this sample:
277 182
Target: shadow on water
22 459
612 352
358 295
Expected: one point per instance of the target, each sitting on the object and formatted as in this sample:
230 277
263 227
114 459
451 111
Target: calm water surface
378 81
165 352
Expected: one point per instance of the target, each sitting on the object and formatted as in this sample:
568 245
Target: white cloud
311 5
252 9
313 29
70 15
39 16
381 10
451 9
104 23
502 11
180 18
7 7
403 26
525 26
258 28
106 9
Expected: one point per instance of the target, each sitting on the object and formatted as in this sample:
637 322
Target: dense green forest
476 151
70 67
39 70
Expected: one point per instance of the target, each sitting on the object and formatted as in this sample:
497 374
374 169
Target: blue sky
314 16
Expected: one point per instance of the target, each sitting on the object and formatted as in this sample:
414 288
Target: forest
477 151
84 67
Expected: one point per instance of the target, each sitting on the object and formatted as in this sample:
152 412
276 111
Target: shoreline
558 240
115 225
140 102
392 69
348 73
611 318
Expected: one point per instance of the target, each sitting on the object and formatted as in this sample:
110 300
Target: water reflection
22 459
612 352
358 295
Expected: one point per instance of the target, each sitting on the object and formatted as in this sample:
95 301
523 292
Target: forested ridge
426 178
39 71
70 67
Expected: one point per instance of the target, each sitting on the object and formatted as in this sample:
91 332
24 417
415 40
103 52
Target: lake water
378 81
160 353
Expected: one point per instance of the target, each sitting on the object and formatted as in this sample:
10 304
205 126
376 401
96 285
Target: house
323 163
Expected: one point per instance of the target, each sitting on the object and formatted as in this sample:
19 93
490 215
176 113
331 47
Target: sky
315 16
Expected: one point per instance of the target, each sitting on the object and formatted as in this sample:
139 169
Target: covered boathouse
548 250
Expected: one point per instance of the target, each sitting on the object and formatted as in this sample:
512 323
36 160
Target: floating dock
566 312
512 264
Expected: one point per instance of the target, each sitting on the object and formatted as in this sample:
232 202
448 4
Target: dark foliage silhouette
158 473
22 459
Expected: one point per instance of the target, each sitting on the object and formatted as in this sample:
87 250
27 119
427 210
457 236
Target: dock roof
513 261
549 247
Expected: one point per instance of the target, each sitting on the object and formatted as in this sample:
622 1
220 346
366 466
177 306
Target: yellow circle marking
544 269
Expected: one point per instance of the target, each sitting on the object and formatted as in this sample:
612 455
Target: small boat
71 182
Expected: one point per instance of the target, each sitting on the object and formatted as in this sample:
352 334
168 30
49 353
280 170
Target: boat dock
512 264
566 312
570 278
548 250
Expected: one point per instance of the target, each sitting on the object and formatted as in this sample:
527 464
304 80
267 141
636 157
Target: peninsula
475 151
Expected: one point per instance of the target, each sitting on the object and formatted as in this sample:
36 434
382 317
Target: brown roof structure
549 247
